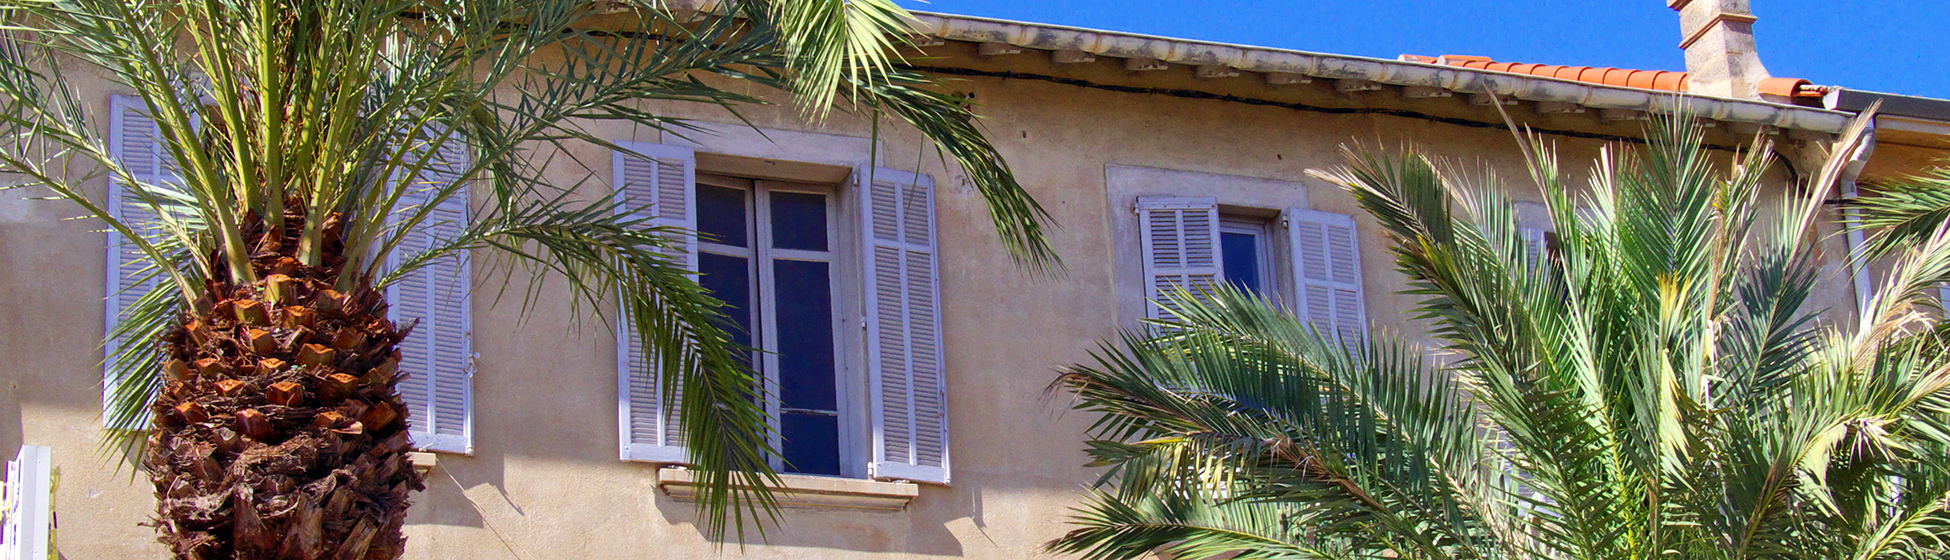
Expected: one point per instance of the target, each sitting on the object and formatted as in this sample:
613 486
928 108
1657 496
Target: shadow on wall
909 531
10 431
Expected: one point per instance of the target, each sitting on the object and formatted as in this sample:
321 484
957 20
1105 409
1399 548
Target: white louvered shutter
136 142
27 506
1180 240
660 185
906 382
1327 273
438 357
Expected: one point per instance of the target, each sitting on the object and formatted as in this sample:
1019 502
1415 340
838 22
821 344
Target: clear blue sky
1895 46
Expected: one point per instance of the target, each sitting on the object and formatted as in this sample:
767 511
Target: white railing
27 505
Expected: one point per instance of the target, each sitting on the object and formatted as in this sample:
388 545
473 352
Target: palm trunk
280 432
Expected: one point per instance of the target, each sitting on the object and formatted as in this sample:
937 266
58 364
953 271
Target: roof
1279 66
1661 80
1658 80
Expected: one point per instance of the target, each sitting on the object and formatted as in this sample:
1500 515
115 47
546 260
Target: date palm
308 135
1659 385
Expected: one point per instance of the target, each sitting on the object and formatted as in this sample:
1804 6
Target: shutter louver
1327 273
438 357
906 382
1179 238
658 184
135 141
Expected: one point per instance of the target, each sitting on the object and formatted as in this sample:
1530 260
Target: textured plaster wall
544 481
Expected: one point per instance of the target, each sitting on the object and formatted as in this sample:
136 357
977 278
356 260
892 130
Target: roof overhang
1282 65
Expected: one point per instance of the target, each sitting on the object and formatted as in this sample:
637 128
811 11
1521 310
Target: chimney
1718 36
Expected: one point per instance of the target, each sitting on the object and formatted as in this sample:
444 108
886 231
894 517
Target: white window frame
851 410
1262 230
849 162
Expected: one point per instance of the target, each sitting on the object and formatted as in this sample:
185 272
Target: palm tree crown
310 139
1656 385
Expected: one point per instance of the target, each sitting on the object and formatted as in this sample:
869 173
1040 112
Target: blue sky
1892 46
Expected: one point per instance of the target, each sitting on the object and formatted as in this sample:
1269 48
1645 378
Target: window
766 250
1243 248
1187 243
796 262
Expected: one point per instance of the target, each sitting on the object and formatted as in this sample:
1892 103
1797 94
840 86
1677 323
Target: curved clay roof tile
1642 79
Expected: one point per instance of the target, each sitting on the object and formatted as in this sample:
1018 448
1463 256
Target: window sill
809 491
423 461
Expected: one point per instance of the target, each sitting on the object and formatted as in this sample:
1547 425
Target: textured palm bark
280 432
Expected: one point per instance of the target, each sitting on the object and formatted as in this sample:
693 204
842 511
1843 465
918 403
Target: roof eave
1392 72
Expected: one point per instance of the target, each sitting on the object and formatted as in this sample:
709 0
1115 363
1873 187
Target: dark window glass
729 280
804 314
799 221
721 215
1241 260
812 443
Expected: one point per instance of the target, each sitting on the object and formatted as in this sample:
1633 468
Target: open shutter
659 183
1327 273
905 378
438 357
136 142
1179 237
27 505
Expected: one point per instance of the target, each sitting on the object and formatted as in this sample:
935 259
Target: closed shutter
438 358
906 381
660 184
135 141
1327 273
1179 237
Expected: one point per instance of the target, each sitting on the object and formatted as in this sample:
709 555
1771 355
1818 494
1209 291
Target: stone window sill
423 461
809 491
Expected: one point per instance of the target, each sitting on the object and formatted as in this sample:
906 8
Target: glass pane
1241 260
729 280
721 215
805 323
799 221
812 443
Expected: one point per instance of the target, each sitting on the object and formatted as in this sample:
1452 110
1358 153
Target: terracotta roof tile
1660 80
1642 79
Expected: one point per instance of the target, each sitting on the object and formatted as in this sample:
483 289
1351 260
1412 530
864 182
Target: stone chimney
1718 36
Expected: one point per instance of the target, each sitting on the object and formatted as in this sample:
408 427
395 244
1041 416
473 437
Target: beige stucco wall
544 481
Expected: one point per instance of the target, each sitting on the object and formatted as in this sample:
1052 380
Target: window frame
1262 230
849 386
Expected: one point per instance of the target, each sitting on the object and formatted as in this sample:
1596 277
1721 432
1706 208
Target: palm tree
311 138
1658 386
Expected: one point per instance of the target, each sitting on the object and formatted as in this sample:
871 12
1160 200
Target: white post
29 507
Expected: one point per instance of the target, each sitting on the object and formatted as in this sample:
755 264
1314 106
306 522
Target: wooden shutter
1179 237
906 382
660 183
1327 273
27 498
135 141
438 357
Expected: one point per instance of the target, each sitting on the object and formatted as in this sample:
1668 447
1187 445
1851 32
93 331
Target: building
932 353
